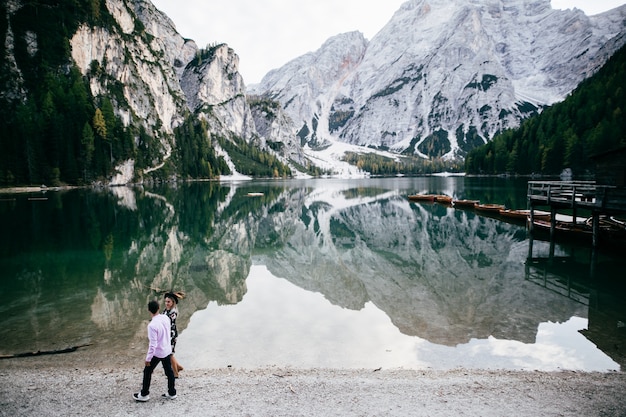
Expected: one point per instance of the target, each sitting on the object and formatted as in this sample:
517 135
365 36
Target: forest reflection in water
316 273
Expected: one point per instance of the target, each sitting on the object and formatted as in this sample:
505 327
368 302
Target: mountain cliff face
150 84
439 79
443 76
164 76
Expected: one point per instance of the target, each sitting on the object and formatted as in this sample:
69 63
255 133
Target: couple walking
162 336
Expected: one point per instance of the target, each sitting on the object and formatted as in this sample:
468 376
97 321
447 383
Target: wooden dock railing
563 193
574 195
578 194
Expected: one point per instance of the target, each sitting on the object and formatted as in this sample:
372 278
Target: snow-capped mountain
443 76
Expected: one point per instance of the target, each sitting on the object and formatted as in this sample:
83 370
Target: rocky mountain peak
443 76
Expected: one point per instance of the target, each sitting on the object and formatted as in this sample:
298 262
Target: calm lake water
312 273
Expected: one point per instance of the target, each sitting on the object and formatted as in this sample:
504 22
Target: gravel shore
56 385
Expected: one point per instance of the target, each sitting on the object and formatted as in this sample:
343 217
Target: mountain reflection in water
278 323
333 273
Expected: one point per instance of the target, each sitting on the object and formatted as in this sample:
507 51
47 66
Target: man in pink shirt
159 350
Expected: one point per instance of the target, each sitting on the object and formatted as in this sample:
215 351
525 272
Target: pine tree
99 125
87 148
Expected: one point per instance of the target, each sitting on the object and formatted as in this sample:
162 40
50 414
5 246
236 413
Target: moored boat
492 208
422 197
608 225
465 203
443 199
610 233
524 214
618 221
564 228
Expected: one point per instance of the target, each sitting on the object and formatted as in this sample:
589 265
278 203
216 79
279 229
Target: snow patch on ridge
461 67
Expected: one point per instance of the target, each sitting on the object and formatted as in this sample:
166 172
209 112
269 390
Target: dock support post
552 222
595 222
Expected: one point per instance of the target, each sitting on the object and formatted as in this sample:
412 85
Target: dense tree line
53 130
377 164
589 121
60 134
197 158
250 160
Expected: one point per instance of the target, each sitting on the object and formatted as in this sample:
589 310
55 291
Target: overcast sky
266 34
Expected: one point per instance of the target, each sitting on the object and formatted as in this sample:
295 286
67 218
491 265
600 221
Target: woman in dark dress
171 310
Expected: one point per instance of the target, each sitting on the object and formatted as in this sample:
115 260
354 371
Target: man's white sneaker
138 397
168 396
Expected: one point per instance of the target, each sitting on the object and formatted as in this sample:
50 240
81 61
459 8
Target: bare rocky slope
443 76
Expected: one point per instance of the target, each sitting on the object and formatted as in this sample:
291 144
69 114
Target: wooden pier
574 196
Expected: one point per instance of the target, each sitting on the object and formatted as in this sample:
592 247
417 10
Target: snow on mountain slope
443 76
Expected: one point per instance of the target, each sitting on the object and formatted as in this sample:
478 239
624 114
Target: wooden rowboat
524 214
564 228
492 208
608 225
465 203
422 197
443 199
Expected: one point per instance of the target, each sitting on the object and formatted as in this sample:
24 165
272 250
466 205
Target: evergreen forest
55 132
588 122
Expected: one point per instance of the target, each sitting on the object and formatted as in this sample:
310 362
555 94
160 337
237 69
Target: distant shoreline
34 189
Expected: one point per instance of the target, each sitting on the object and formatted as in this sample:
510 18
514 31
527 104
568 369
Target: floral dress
172 314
